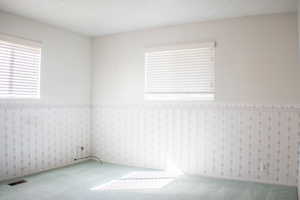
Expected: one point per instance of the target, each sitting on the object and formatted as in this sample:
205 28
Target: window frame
31 44
181 96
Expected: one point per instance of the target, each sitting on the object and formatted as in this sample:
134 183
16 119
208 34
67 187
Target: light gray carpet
85 181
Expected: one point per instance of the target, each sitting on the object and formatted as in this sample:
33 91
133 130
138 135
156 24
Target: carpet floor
92 181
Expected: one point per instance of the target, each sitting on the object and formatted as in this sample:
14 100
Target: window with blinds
183 72
19 68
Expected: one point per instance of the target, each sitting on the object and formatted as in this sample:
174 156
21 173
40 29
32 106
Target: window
19 68
181 72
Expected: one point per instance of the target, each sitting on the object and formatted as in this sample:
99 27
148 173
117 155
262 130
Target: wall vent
17 182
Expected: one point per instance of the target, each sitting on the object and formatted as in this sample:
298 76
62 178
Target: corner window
181 72
19 68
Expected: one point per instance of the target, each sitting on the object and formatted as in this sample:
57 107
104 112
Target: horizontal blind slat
7 51
18 58
21 71
19 62
12 76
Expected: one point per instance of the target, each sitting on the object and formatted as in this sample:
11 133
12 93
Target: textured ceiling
102 17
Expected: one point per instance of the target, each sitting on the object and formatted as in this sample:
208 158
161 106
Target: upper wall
298 76
256 59
299 24
65 67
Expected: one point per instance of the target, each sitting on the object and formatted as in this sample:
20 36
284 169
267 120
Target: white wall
299 76
298 20
42 134
256 63
256 59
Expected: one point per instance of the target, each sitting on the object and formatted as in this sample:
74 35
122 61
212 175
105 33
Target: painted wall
256 59
42 134
65 68
298 15
256 64
299 75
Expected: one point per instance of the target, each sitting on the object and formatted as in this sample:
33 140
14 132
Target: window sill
179 97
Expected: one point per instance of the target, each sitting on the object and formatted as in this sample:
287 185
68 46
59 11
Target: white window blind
19 68
181 73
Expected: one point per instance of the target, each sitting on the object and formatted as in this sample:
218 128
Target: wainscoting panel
247 142
34 138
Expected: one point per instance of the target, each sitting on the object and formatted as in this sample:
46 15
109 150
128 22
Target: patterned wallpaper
34 138
246 142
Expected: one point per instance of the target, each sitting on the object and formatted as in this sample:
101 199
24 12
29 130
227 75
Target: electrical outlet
267 167
264 167
261 166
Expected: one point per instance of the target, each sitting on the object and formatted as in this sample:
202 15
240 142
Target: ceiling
102 17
